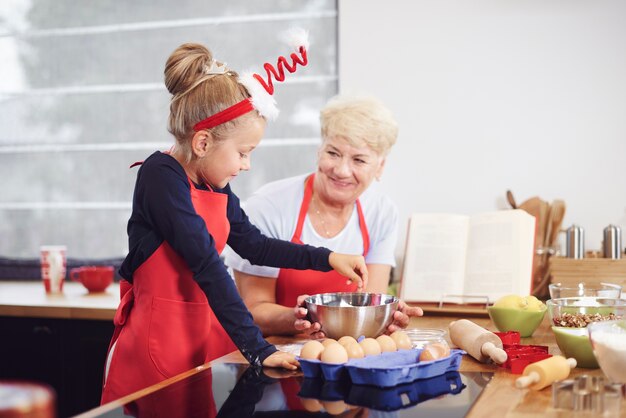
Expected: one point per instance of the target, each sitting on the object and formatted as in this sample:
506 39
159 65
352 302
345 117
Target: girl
184 213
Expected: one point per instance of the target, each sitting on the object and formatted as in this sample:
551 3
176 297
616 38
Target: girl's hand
282 359
351 266
302 324
402 316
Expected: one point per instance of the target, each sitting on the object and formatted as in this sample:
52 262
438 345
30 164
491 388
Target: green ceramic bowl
573 339
574 342
509 319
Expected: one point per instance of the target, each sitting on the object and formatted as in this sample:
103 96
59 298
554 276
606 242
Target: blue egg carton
384 370
324 390
405 395
383 399
316 369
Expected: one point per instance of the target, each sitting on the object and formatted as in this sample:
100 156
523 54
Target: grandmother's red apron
293 283
163 323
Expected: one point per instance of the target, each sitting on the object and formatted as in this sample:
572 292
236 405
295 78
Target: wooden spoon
511 199
539 209
558 208
544 213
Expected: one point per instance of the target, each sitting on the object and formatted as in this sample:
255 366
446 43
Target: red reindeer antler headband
261 91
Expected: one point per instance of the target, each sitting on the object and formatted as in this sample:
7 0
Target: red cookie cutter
519 356
509 337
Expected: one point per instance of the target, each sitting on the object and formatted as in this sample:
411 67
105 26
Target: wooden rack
588 270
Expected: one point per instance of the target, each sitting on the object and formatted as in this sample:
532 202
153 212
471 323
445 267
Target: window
82 97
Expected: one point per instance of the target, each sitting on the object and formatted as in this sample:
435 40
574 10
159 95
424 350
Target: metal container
352 314
612 243
575 242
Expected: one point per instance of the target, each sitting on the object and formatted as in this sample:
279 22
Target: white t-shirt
274 209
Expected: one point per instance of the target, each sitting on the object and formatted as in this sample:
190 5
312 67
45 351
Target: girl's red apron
293 283
163 323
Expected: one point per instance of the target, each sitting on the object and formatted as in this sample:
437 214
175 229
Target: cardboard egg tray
384 370
383 399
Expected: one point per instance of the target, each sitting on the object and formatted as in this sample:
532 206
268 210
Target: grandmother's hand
302 324
403 315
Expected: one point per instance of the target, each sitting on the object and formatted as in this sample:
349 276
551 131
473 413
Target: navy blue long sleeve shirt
163 211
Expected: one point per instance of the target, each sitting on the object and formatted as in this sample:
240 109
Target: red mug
94 278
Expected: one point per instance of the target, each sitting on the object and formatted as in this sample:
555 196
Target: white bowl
608 340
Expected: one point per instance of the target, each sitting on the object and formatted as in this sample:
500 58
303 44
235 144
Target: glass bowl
566 290
608 340
421 336
571 316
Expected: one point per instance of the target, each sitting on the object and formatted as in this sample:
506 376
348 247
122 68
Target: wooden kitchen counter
499 398
28 299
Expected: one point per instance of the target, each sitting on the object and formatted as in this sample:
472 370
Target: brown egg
327 341
310 404
370 347
386 343
355 350
334 407
312 350
403 342
346 340
434 351
334 354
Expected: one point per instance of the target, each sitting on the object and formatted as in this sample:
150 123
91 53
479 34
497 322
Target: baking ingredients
402 340
334 354
610 351
581 320
327 341
386 343
334 407
523 303
310 404
543 373
477 341
355 350
434 351
346 340
370 347
312 350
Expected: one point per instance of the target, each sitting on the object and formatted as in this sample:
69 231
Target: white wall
490 95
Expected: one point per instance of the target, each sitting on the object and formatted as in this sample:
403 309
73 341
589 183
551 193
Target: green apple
523 303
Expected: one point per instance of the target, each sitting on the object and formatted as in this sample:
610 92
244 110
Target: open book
489 254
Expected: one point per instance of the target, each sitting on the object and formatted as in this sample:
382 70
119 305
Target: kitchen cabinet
60 340
67 354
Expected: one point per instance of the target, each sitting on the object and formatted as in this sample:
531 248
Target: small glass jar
421 336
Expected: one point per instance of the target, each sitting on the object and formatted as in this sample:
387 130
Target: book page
434 259
500 254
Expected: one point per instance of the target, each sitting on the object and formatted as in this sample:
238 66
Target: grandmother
334 207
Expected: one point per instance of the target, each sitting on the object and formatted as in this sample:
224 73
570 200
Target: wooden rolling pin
478 342
543 373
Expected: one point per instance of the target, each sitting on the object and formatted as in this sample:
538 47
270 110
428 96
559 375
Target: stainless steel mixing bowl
352 314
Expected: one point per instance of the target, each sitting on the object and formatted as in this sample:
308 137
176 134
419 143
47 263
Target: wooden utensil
511 199
558 208
478 342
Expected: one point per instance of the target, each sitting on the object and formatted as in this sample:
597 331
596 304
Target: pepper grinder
575 242
612 244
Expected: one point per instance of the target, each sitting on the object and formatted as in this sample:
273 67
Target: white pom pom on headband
261 91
